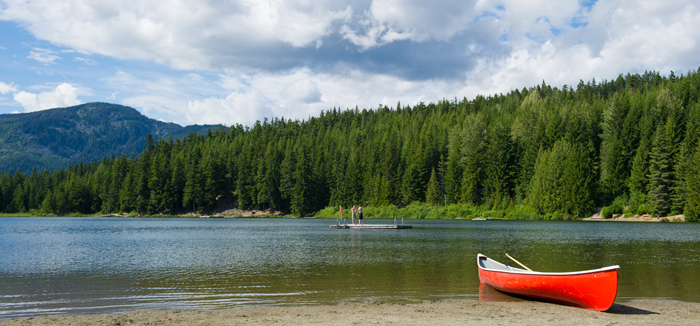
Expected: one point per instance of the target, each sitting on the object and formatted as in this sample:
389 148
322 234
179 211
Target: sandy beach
447 312
637 218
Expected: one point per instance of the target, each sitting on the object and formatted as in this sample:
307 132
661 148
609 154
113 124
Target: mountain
53 139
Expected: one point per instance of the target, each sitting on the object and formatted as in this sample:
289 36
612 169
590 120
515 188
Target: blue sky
197 62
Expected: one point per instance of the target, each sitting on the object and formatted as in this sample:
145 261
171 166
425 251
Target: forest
628 146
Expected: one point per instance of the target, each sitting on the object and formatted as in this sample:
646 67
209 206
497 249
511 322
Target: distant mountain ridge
52 139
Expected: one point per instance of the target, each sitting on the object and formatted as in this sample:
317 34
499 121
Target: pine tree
473 146
127 196
678 184
577 180
692 206
614 171
192 193
640 169
433 195
300 202
498 169
453 170
660 178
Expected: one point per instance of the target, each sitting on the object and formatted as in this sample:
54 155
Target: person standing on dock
353 214
340 214
359 211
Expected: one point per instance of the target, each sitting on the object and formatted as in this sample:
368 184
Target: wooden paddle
519 263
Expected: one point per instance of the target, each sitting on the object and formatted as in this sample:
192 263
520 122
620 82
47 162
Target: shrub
523 212
636 200
329 212
617 207
387 211
416 210
644 209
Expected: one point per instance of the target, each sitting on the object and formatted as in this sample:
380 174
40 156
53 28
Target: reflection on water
91 265
487 293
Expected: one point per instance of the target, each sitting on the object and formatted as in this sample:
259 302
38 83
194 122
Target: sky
241 61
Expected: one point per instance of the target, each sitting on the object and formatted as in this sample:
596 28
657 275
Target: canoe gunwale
513 270
592 289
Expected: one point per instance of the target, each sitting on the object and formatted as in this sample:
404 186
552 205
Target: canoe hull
594 290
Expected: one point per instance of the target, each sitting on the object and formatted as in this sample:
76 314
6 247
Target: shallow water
101 265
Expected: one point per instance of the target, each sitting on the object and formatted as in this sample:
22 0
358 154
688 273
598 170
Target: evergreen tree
640 169
498 169
192 193
453 170
578 180
614 170
474 138
433 195
692 205
660 178
127 196
678 183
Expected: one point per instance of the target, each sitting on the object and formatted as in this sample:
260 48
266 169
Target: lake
104 265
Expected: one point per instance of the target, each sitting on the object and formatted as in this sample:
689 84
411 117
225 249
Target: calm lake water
101 265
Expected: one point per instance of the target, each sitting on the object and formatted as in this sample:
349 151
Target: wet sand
447 312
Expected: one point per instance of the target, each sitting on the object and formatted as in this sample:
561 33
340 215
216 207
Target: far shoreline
239 213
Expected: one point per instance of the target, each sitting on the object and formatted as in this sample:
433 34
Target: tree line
628 145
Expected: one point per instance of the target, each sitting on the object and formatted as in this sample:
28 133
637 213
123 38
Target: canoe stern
594 290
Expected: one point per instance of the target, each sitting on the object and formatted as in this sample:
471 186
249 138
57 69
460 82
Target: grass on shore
418 210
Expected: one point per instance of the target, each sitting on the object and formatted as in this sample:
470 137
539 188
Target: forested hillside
544 152
53 139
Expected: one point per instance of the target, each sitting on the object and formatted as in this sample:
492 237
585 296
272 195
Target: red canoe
593 289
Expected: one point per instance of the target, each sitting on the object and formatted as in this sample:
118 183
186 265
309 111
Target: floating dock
371 226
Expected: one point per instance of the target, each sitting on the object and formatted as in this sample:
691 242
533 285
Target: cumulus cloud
240 108
614 38
412 38
240 61
183 34
161 95
389 21
7 88
303 91
62 96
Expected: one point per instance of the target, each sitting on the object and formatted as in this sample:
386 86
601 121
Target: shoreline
237 213
637 218
445 312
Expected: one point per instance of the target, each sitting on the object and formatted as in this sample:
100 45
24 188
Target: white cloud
304 91
43 56
183 34
157 95
63 95
618 38
293 95
7 88
235 108
86 61
249 59
388 21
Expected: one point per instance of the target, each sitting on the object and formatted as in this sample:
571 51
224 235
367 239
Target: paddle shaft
519 263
